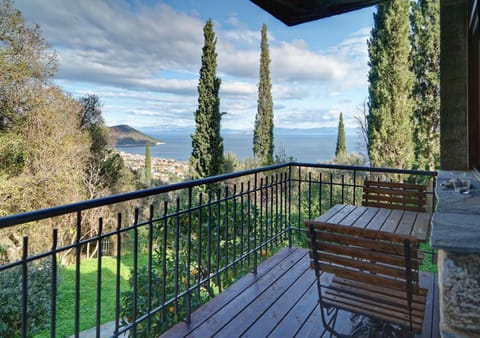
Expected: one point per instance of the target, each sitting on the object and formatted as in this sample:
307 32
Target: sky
142 59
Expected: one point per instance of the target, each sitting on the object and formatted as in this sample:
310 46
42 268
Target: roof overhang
294 12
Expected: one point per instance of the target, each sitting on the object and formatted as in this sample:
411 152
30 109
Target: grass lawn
427 264
88 293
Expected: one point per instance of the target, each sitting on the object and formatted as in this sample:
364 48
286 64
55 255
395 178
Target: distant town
167 170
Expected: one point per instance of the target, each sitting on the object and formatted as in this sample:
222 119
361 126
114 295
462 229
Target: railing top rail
26 217
368 169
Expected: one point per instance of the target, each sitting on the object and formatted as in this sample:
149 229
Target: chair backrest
378 258
391 195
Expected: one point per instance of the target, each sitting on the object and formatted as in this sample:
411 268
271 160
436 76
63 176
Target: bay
303 148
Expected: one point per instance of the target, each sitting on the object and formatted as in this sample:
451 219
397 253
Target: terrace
206 242
233 242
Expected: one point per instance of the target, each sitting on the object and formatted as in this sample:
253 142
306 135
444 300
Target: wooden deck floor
279 301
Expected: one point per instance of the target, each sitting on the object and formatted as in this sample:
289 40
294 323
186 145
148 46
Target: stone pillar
454 85
459 282
456 235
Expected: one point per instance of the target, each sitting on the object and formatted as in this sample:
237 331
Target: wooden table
395 221
381 219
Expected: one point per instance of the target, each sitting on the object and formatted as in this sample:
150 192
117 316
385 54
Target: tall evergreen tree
426 66
104 170
341 150
390 88
207 144
263 133
148 163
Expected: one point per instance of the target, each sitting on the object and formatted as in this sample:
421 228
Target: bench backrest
403 196
378 258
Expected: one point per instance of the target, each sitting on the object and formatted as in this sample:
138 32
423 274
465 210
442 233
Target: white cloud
143 62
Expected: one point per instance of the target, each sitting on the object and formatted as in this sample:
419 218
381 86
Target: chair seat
376 302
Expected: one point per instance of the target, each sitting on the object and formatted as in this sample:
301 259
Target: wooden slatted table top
395 221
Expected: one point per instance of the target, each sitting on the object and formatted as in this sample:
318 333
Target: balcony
233 242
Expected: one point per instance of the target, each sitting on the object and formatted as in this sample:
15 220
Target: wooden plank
330 212
298 315
337 239
383 190
373 310
270 287
259 305
366 218
392 221
421 293
377 222
417 297
365 233
305 320
385 205
405 227
421 226
354 215
339 216
330 251
364 266
266 322
273 266
375 304
412 186
401 196
428 280
370 292
367 278
313 327
435 308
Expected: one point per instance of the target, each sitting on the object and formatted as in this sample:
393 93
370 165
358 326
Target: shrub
38 305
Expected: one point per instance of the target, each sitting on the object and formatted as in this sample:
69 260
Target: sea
309 148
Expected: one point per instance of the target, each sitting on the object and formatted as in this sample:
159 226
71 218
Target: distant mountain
124 135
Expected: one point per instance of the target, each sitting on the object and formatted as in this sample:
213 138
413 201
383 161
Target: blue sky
142 58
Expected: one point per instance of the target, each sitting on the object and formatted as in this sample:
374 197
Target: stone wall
456 234
459 280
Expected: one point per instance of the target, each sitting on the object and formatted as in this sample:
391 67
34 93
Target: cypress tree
207 144
426 66
263 132
148 164
390 88
341 150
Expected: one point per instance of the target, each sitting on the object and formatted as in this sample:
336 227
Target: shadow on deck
279 301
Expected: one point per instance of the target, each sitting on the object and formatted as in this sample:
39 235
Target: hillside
124 135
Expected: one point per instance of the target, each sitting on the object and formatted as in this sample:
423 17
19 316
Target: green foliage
13 153
207 144
351 159
148 164
341 149
88 296
263 133
38 301
425 55
53 149
390 87
231 162
104 171
43 153
428 262
25 62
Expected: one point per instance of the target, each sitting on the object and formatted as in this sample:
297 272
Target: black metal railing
153 256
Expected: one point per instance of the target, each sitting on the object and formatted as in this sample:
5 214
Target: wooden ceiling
294 12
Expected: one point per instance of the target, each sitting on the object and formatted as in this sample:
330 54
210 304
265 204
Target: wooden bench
391 195
375 274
